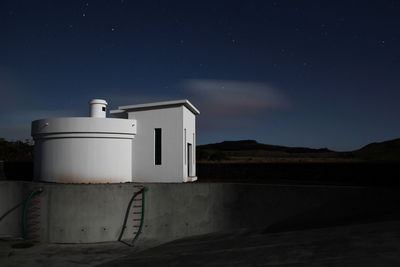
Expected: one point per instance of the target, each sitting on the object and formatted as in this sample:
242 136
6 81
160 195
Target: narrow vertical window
157 146
184 145
194 148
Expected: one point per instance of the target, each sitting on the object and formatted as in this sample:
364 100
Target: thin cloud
221 102
233 98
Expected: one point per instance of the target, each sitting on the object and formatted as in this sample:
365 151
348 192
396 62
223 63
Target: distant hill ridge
377 151
387 150
254 145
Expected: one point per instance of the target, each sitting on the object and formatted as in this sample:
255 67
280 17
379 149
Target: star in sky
313 53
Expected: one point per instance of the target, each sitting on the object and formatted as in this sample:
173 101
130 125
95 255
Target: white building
145 143
164 147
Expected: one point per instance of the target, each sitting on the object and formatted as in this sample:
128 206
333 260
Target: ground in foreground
370 244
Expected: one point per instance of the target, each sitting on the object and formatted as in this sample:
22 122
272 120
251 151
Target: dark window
103 108
157 146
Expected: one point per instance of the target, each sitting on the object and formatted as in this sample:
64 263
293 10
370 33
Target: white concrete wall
83 160
95 213
83 150
11 208
189 124
170 120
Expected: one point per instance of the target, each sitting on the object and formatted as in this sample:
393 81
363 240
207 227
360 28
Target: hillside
252 151
382 151
244 145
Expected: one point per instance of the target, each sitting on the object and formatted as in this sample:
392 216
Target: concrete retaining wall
11 198
83 213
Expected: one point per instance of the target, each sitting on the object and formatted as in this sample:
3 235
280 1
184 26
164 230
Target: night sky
297 73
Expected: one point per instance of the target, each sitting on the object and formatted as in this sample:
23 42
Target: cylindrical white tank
98 108
83 150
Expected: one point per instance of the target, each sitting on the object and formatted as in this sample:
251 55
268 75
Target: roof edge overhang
157 105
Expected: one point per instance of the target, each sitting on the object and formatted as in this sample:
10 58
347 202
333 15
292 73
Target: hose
27 202
141 191
142 217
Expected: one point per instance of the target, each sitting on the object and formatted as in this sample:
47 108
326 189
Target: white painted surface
98 108
83 150
83 125
144 168
189 123
158 105
100 150
174 118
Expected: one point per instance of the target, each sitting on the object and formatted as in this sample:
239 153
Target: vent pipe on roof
98 108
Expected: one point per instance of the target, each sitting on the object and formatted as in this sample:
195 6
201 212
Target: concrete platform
366 244
91 213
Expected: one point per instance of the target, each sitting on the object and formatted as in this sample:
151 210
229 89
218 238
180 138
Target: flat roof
157 105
